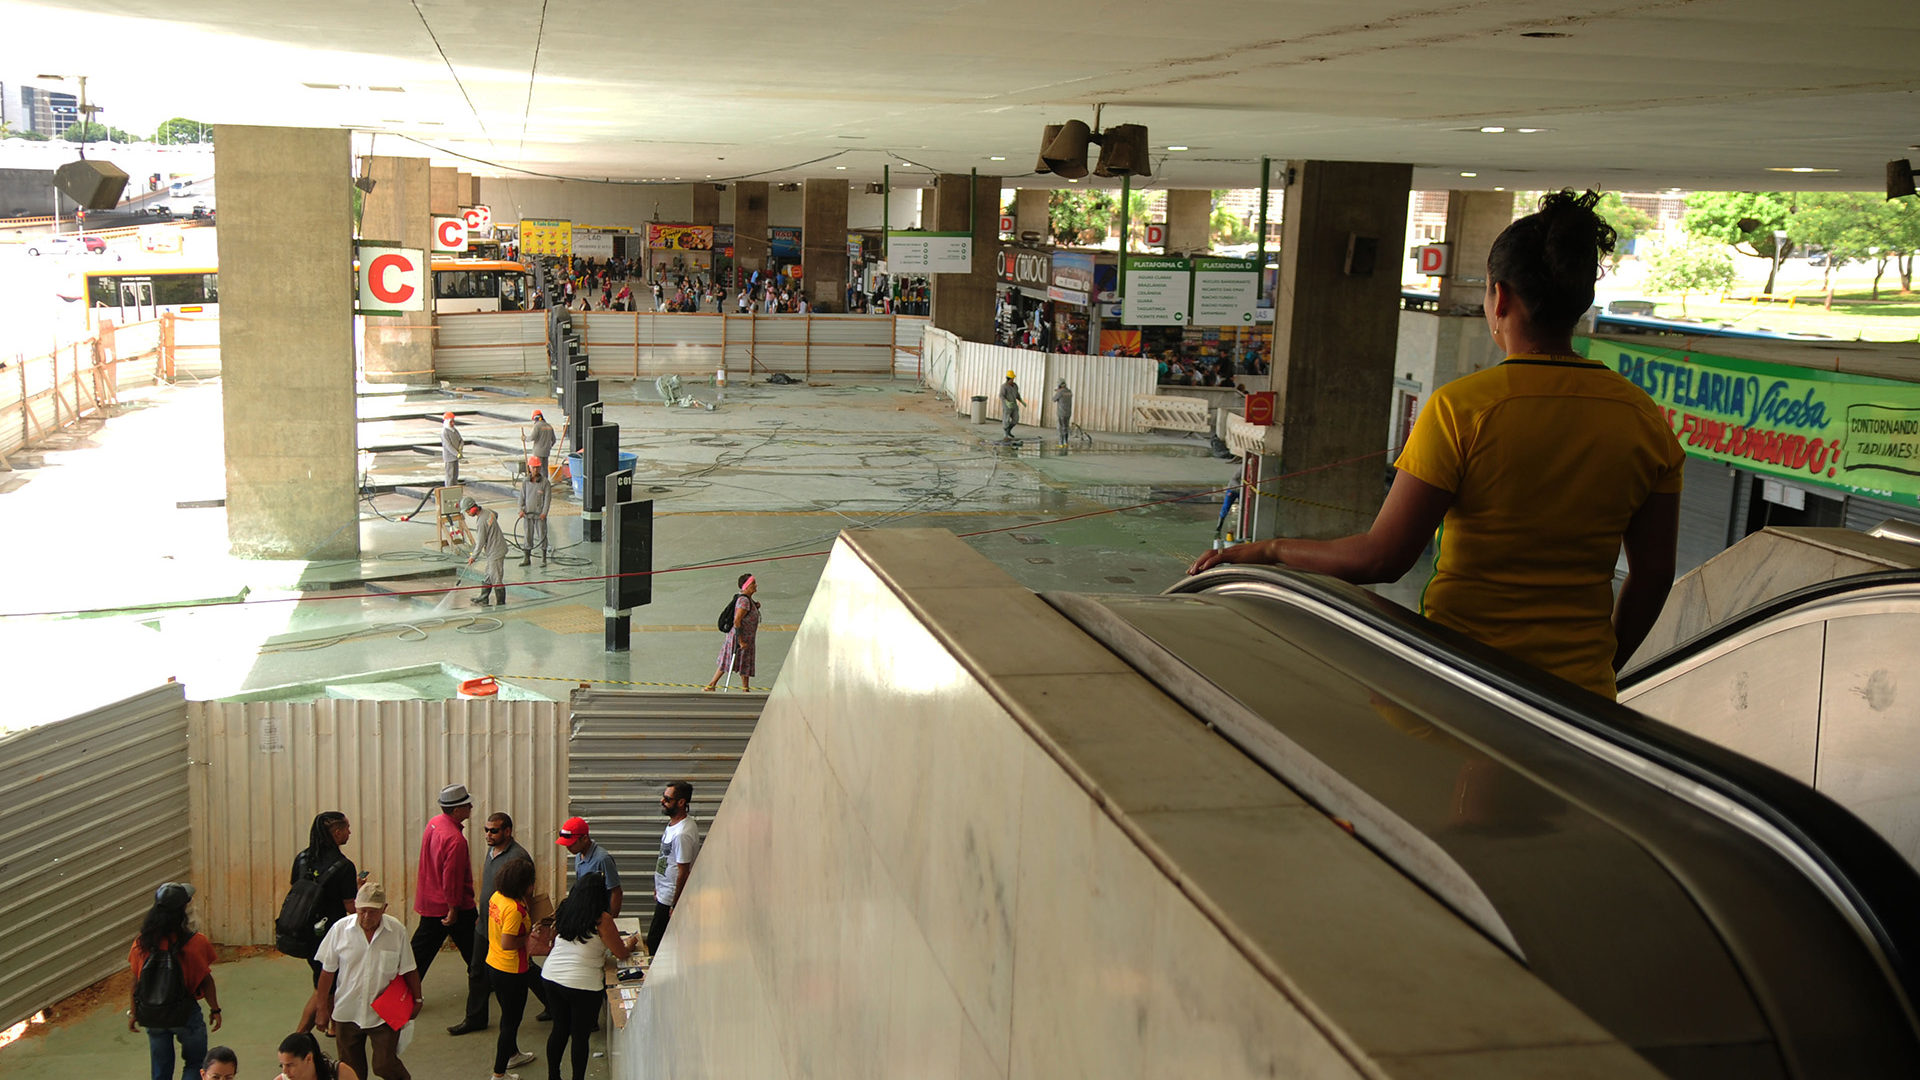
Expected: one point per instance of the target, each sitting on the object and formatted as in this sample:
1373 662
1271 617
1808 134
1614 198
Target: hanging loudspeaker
1066 153
1123 151
1047 136
95 185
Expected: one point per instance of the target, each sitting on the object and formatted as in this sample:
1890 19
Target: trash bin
577 468
979 408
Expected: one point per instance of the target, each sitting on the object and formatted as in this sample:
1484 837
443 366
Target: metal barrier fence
44 393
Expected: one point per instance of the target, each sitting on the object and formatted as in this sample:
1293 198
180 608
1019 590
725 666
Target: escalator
1718 917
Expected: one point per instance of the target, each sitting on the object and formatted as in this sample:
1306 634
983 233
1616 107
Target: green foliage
30 136
181 131
1716 216
1628 222
1226 227
1080 216
1688 268
93 131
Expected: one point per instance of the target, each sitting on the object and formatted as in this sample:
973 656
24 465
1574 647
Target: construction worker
488 540
451 447
540 443
1063 410
1010 402
536 495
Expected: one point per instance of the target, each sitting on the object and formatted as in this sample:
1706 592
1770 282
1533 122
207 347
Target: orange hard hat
533 462
446 416
538 415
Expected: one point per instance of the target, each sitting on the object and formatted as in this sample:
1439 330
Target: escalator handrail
1881 887
1818 592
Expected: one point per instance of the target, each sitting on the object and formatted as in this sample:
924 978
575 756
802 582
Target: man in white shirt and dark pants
359 958
679 844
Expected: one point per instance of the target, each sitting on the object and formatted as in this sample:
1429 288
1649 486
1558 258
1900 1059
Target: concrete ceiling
1629 94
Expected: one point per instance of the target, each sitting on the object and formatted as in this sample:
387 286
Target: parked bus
128 296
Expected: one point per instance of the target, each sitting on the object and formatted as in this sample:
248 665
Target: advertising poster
1157 292
1071 278
1854 433
680 237
546 236
783 242
1225 291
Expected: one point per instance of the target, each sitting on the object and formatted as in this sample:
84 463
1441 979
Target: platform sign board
546 236
1226 292
1158 291
392 279
1433 259
1156 234
919 252
479 219
449 234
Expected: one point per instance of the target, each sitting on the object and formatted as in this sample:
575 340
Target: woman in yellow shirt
1536 472
508 964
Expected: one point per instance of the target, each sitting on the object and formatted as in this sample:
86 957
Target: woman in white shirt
583 933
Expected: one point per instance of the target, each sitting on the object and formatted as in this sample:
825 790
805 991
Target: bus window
103 291
210 288
177 290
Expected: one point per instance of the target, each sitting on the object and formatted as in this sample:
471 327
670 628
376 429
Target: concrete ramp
966 840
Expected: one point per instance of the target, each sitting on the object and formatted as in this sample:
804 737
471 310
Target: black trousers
432 933
480 983
511 988
574 1013
658 928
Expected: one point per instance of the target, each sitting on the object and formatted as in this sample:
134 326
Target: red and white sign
1006 223
479 218
1260 407
392 279
1432 259
449 234
1156 234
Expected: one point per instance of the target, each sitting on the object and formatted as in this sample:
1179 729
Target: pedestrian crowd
368 969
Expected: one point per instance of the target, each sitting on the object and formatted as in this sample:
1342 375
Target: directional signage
449 234
393 279
1433 259
1156 234
1158 291
479 218
1226 292
930 252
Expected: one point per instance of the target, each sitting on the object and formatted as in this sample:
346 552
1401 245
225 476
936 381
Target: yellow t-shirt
1548 458
505 915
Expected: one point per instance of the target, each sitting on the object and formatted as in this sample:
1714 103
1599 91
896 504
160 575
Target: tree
1087 217
180 131
1899 228
30 136
1227 227
1741 217
1628 222
1840 223
1689 267
93 131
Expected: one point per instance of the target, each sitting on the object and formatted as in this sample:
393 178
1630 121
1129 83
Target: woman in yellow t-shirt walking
1536 472
508 965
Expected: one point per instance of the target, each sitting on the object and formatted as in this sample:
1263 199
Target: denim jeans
193 1047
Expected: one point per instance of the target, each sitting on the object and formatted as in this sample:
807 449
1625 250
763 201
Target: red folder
395 1003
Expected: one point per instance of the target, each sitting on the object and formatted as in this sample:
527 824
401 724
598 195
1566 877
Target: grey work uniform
536 495
490 543
1063 411
1009 406
450 446
543 439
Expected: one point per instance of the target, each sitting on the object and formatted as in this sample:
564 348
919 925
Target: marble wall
966 841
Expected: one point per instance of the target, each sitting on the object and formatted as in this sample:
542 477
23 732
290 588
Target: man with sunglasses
502 849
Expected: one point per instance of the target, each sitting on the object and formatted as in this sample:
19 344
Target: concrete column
1474 220
1335 331
963 303
1031 213
462 189
706 205
823 244
286 342
443 194
398 348
750 226
1189 220
469 190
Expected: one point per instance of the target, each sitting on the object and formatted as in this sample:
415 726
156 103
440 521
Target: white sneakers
519 1059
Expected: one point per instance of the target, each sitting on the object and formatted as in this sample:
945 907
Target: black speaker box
95 185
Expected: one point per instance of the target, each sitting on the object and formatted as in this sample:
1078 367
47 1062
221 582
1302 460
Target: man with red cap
540 441
488 540
590 858
451 447
536 495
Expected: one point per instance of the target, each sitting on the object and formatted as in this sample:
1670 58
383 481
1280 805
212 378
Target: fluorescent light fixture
1493 130
1799 169
1532 131
998 157
1176 148
1469 174
840 168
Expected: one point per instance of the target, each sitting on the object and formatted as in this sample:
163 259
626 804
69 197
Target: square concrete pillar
443 196
750 226
1032 213
963 303
286 342
1336 329
398 348
1474 220
1189 220
823 244
706 205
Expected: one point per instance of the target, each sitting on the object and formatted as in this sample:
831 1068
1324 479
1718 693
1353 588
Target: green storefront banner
1853 433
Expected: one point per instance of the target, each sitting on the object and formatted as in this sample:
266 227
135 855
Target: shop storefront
723 261
1023 315
783 254
1071 287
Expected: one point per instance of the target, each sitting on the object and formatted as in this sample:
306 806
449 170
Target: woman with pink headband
736 652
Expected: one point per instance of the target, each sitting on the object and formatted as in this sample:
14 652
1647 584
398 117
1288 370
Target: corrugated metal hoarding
627 745
263 770
487 343
1103 386
93 817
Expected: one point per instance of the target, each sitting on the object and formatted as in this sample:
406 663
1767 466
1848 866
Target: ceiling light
997 157
1798 169
1499 189
1493 131
1532 131
1469 174
1176 148
1073 180
841 168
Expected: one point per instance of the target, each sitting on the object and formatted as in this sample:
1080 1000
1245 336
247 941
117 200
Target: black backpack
302 918
726 614
161 998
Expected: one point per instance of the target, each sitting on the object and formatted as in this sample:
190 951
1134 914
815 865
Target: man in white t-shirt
679 844
359 958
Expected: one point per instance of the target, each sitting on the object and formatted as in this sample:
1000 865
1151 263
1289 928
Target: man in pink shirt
444 894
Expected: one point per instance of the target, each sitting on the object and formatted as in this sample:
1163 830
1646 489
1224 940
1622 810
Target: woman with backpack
741 622
582 936
320 890
172 971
